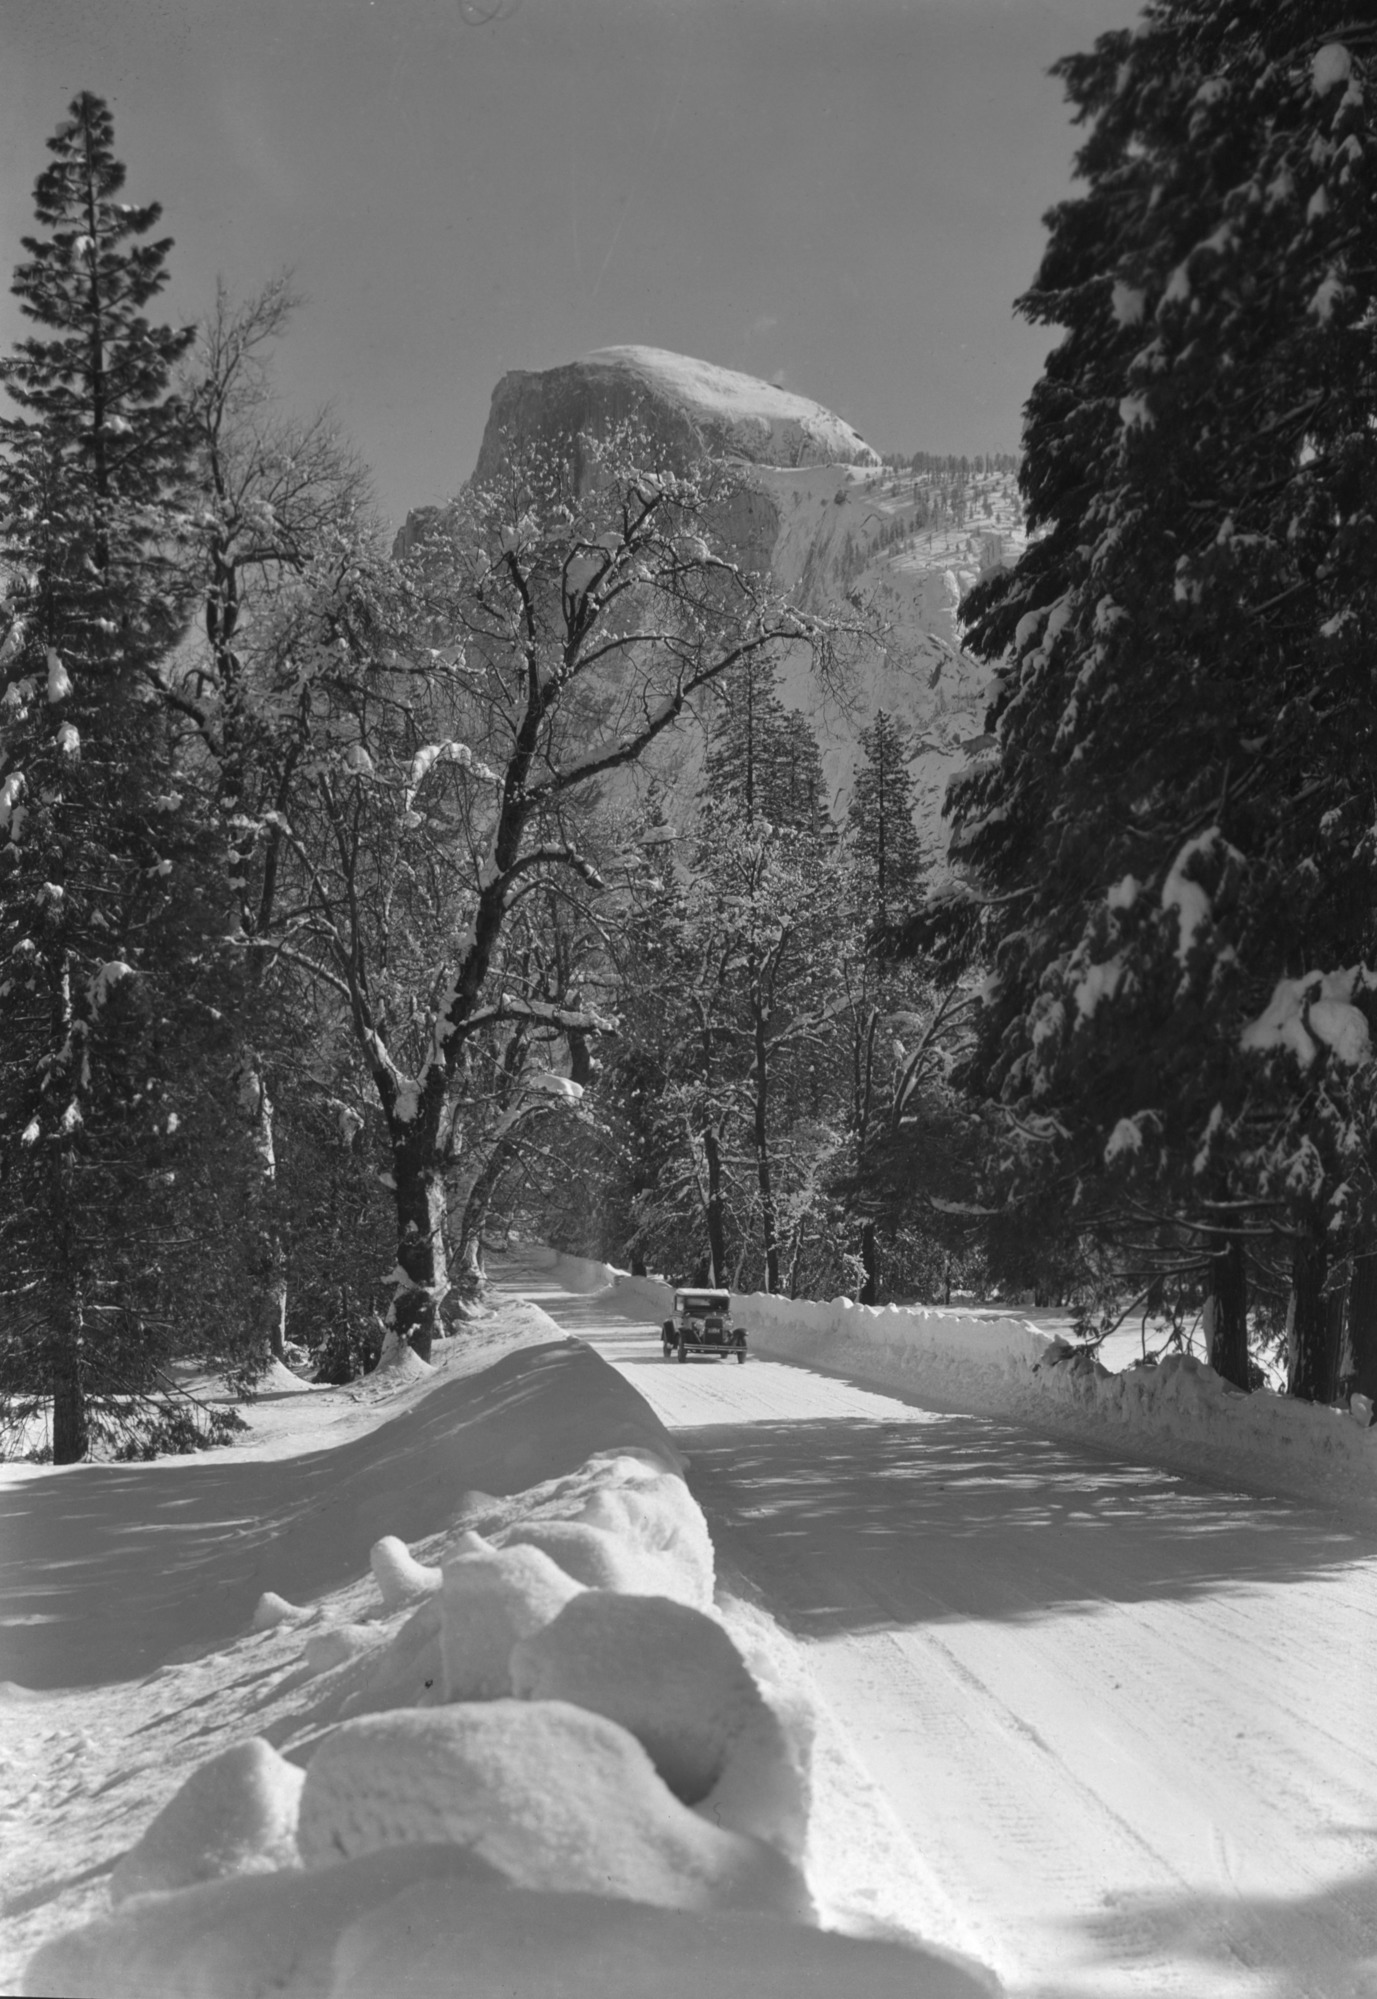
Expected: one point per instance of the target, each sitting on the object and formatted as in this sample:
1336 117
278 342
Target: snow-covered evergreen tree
763 756
91 481
881 836
1171 846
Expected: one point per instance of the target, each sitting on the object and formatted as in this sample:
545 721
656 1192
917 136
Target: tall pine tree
91 481
881 835
1172 841
763 756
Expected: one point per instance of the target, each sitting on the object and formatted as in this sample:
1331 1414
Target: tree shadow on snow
986 1521
108 1571
1320 1941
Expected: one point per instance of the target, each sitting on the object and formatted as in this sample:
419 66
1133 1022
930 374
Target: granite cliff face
688 407
819 512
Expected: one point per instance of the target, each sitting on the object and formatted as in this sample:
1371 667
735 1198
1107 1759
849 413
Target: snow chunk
1028 627
69 740
399 1576
106 979
668 1674
425 760
651 1542
625 1521
1327 294
277 1378
585 1947
408 1099
402 1920
1126 1137
399 1360
410 1670
272 1610
1127 303
553 1797
1123 894
324 1650
546 1083
490 1598
1100 982
1134 413
1330 66
236 1814
11 791
590 1555
1317 1008
240 1938
59 680
1189 898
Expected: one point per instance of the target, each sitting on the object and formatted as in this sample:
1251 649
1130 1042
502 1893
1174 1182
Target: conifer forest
362 904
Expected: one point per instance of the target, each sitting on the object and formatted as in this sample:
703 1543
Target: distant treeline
934 465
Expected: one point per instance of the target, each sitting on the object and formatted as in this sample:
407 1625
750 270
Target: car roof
685 1291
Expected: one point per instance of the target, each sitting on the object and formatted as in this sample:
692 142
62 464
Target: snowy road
1127 1719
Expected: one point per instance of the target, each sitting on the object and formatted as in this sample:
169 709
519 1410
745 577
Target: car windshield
699 1307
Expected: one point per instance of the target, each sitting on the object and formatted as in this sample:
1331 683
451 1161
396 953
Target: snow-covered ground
425 1673
1120 1710
1093 1722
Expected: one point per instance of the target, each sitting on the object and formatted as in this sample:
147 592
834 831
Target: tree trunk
267 1263
795 1252
717 1237
1228 1354
768 1227
71 1422
422 1275
1312 1361
870 1290
1358 1368
472 1277
71 1427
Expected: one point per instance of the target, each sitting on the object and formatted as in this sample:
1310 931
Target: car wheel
741 1356
683 1353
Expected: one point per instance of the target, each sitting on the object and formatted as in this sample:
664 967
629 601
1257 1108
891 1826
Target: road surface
1127 1719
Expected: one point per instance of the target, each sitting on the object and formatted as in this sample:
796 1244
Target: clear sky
844 196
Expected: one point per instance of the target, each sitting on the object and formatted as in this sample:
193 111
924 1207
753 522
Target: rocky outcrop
687 408
816 510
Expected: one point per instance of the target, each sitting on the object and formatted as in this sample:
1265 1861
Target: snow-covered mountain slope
826 518
910 545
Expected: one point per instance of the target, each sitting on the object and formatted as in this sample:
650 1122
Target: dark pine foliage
1172 861
881 835
92 481
764 757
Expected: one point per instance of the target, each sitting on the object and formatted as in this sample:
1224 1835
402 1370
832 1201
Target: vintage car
702 1325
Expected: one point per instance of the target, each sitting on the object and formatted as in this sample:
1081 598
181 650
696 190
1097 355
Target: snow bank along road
1126 1718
